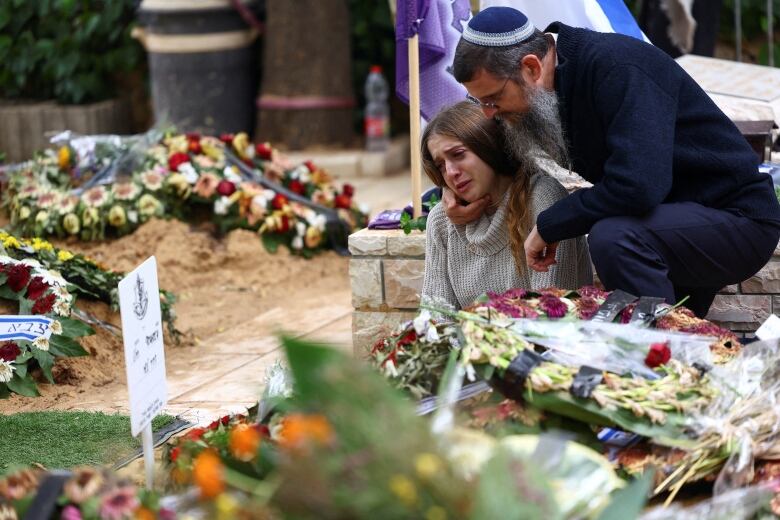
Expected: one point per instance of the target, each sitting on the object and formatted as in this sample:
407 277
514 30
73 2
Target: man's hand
539 255
459 214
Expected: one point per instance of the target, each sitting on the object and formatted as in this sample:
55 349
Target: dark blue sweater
643 132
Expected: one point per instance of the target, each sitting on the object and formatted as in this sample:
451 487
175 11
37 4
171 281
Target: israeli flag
598 15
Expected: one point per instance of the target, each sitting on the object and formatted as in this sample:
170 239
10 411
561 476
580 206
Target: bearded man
678 207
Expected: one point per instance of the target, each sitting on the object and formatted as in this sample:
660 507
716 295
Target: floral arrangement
86 277
38 291
87 494
185 177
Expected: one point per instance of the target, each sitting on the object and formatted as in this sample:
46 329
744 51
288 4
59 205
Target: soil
220 283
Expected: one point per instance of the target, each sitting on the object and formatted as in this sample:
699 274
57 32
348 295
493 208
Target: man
678 207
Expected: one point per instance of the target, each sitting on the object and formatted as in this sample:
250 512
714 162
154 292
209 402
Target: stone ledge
370 327
369 242
403 245
365 276
765 281
403 282
740 312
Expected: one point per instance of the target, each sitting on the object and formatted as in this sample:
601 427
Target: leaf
4 393
46 361
307 363
23 386
65 347
628 502
72 328
271 242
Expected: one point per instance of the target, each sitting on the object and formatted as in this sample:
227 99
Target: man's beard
539 129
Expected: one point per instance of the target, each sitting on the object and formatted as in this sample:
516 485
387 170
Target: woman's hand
539 255
460 214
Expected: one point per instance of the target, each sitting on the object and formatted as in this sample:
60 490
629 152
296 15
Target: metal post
738 27
770 36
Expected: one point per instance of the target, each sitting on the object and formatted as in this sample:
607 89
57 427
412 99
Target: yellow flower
63 157
116 216
90 217
11 242
71 224
313 237
404 489
436 513
63 255
240 144
41 217
227 506
211 147
39 244
24 213
148 205
179 183
427 465
178 143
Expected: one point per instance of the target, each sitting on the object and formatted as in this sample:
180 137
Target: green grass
66 439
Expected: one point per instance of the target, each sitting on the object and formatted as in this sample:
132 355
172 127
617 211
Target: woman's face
468 176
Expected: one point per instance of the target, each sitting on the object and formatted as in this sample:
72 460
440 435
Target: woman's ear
531 69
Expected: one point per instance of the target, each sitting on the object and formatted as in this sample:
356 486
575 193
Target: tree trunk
307 64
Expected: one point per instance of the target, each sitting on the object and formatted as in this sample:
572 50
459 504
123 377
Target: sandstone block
730 289
370 327
740 312
403 282
401 244
368 242
365 276
766 281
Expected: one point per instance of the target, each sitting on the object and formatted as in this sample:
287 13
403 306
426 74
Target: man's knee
610 238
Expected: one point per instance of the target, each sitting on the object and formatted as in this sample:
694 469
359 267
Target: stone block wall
387 267
386 273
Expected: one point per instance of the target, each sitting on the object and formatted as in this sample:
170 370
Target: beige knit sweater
464 262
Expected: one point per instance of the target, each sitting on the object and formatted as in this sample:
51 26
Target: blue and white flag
598 15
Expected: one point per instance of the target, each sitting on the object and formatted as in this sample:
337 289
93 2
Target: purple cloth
387 219
439 24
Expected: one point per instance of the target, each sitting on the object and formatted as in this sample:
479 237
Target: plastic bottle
377 114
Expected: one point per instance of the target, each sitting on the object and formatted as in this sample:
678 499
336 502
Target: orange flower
143 513
63 157
298 429
208 474
244 441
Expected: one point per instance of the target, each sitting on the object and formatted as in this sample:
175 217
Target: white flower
250 152
364 208
297 242
422 322
269 194
300 228
189 172
41 343
260 201
304 176
62 308
56 327
389 369
230 174
6 371
221 205
432 335
132 216
319 222
31 263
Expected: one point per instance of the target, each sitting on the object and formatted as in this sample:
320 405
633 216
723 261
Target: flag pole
414 124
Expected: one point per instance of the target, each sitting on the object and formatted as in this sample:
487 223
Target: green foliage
754 25
64 49
67 439
409 224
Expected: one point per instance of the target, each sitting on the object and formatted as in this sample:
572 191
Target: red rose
348 190
248 162
226 188
342 201
195 147
195 434
285 224
18 276
44 304
659 354
262 429
297 186
227 138
175 453
225 420
192 136
36 288
263 150
10 351
279 201
310 166
176 160
407 339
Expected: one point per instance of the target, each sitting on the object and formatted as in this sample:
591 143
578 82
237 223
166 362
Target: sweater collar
487 235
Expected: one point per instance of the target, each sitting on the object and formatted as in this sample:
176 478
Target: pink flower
119 504
587 307
206 185
71 513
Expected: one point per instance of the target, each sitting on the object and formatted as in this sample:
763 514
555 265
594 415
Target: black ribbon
615 302
585 381
644 312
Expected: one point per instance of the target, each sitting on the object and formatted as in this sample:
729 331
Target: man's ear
531 69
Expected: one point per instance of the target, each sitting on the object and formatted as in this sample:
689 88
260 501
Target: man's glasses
490 105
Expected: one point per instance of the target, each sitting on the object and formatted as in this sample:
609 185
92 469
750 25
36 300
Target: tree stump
307 97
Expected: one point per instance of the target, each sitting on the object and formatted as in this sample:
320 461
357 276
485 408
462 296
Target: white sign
770 329
139 302
24 327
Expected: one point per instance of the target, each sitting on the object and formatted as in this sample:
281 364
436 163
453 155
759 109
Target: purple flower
553 307
587 307
119 504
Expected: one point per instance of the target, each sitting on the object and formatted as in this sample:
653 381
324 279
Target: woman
464 151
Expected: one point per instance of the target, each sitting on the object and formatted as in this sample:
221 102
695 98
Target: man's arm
638 118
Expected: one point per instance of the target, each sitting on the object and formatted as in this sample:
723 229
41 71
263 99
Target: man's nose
489 111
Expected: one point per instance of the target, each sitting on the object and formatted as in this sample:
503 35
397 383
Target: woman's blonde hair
484 137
